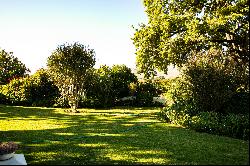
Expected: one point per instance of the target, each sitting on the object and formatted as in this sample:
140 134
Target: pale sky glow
32 29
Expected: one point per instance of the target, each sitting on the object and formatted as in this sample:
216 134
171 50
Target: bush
179 96
175 116
213 79
237 104
42 91
232 125
235 125
145 91
17 91
208 122
35 90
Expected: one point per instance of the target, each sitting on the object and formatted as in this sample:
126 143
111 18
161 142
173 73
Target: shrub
17 92
237 104
232 125
235 125
121 77
179 96
35 90
145 91
213 79
205 122
175 116
42 91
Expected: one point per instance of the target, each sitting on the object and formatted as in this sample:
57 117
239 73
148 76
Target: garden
74 114
123 136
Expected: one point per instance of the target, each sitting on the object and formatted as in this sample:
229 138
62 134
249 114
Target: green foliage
61 102
145 91
232 125
17 91
175 116
3 99
176 28
212 80
70 66
35 90
43 91
122 76
107 85
206 122
100 87
141 94
210 83
235 125
211 95
237 104
10 67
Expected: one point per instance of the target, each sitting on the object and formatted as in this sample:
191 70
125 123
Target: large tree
122 76
10 67
70 65
176 29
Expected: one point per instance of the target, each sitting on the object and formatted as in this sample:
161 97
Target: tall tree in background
10 67
122 76
177 29
70 65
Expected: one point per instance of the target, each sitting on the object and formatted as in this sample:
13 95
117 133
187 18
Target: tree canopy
10 67
176 29
70 65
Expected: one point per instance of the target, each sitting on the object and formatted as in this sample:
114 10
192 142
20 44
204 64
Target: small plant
8 147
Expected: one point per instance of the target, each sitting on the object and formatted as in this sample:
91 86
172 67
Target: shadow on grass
100 137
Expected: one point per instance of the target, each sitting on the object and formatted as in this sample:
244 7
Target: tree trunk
73 96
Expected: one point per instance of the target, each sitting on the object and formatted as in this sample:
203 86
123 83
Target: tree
100 87
122 76
178 29
70 65
109 83
10 67
43 90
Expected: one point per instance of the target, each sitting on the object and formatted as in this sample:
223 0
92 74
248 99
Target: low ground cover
112 136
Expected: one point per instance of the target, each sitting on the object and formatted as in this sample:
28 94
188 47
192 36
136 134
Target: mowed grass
113 136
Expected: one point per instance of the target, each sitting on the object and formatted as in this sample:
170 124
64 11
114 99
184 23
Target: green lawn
112 136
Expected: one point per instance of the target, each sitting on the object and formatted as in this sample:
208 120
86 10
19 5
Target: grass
113 136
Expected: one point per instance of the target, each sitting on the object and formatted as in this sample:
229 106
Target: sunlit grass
112 136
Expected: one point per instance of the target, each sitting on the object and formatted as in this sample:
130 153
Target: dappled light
112 136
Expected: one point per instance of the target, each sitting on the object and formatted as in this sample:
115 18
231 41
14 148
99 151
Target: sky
32 29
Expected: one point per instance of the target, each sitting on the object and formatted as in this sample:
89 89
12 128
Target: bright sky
32 29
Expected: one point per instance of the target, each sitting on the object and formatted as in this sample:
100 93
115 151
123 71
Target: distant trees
122 76
71 81
70 66
109 84
100 87
10 67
